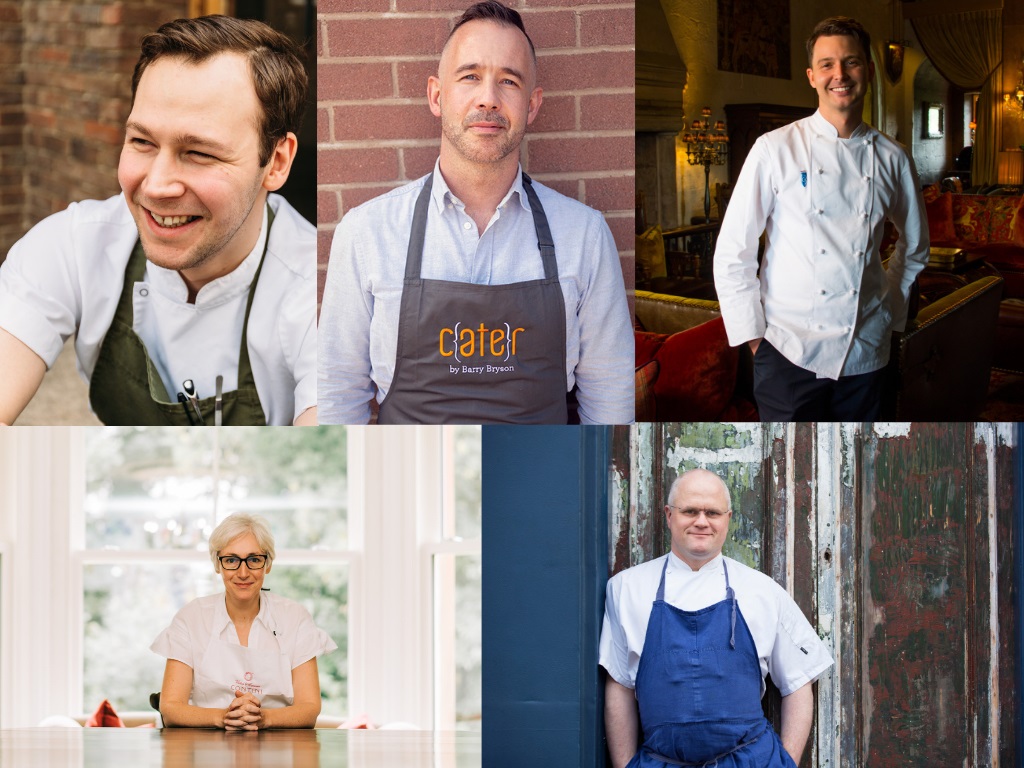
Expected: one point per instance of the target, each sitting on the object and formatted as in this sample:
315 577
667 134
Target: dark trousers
786 392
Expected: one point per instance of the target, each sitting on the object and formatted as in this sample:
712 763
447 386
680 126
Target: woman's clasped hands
244 713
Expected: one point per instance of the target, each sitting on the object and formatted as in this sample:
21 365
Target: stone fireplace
660 80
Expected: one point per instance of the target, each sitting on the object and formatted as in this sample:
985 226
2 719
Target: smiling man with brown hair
475 294
196 280
819 308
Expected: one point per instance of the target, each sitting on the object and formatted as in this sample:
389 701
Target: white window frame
394 533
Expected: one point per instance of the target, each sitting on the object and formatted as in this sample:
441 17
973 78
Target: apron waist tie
712 763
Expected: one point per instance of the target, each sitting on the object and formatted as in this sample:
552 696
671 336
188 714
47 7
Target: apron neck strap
414 255
730 595
545 242
418 232
661 584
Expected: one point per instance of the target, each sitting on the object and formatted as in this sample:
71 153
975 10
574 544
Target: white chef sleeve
310 640
614 650
735 261
40 301
175 642
798 656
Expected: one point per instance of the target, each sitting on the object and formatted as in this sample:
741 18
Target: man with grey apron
686 663
521 330
476 295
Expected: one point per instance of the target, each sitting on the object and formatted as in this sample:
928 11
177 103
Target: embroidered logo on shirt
803 178
248 686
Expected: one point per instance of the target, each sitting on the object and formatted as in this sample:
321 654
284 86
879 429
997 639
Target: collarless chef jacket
281 625
362 297
787 645
65 276
824 299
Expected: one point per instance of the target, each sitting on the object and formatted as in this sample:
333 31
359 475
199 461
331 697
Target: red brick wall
12 121
76 60
375 130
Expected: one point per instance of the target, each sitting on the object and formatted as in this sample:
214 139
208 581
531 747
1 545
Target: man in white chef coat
687 641
192 295
819 313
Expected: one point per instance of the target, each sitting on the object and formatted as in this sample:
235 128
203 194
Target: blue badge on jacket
803 178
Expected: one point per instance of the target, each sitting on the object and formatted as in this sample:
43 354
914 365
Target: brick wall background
375 130
12 122
65 92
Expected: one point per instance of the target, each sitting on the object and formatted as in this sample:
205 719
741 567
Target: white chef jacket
363 294
787 646
282 625
823 299
66 275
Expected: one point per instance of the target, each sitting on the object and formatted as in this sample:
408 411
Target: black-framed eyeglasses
252 562
692 514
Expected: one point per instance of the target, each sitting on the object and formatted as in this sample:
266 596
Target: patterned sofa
992 226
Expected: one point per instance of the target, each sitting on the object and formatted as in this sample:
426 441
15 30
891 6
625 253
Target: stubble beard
203 251
493 151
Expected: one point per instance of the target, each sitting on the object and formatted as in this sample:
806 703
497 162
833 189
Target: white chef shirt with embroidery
787 645
282 627
823 299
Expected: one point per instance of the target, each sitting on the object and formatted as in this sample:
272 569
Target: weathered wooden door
896 540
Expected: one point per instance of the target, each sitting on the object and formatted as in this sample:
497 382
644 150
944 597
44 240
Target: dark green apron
126 389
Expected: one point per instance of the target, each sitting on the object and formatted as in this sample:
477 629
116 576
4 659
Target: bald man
476 295
687 641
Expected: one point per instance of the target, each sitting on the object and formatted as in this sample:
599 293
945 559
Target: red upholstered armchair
697 375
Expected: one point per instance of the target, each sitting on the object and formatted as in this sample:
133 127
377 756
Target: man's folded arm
21 373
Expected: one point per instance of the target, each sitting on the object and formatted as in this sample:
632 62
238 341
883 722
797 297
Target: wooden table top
199 748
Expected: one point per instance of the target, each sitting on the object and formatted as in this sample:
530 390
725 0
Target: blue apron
699 690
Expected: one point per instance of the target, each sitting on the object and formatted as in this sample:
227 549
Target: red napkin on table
104 717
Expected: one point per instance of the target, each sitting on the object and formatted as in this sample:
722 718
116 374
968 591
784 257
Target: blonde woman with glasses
244 659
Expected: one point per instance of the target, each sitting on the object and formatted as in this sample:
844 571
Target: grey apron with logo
479 354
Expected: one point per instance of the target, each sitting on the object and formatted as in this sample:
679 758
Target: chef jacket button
144 292
824 292
853 292
864 215
821 170
821 327
822 250
821 210
860 253
466 225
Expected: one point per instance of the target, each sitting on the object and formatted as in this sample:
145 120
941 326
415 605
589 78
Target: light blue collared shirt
359 318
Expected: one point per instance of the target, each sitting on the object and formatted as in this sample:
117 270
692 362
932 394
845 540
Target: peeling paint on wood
897 541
